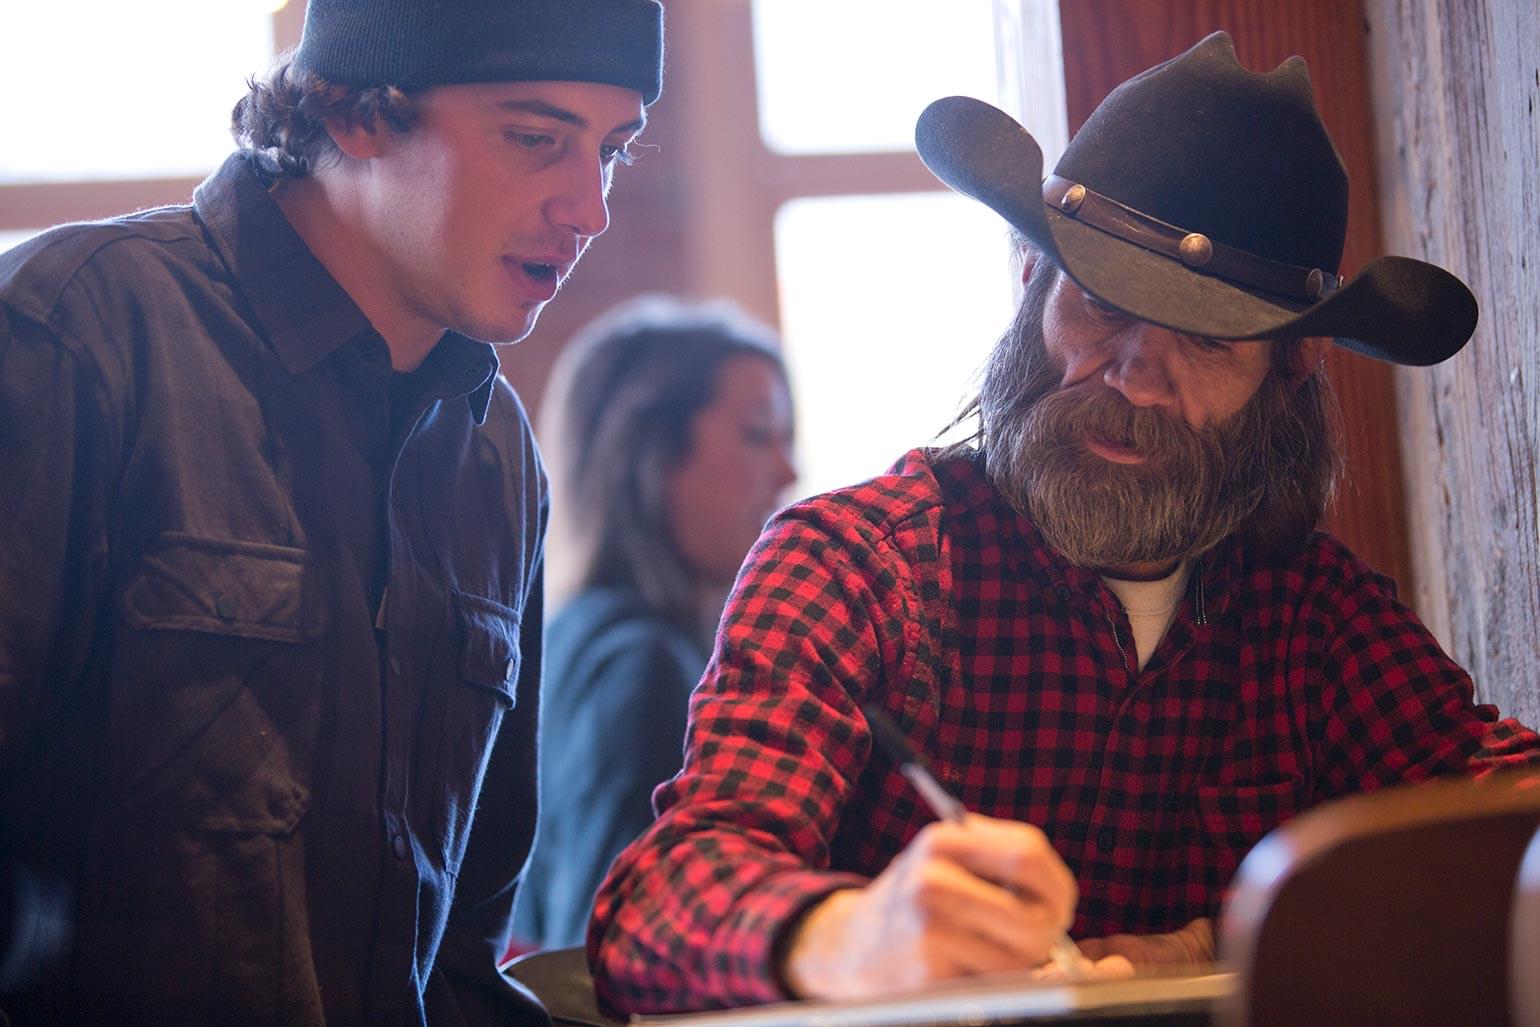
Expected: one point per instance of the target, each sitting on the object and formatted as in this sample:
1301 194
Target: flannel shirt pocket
1235 817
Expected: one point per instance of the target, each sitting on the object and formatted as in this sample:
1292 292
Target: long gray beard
1268 471
1193 489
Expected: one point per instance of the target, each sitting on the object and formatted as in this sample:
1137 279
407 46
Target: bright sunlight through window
138 90
888 306
846 76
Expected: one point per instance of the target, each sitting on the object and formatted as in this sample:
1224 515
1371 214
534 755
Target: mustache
1099 411
1187 492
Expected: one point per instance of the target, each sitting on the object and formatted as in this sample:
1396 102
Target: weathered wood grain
1456 85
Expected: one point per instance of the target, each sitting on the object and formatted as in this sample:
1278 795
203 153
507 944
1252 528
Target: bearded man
1109 623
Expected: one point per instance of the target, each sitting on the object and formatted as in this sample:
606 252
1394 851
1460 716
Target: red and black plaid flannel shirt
1276 687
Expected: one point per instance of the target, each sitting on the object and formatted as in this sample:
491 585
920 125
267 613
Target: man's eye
1102 311
529 140
610 154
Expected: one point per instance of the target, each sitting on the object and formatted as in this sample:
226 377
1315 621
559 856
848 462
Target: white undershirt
1151 607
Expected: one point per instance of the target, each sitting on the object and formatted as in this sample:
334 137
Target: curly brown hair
281 121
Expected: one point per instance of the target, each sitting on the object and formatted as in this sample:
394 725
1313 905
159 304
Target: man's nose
581 201
1139 365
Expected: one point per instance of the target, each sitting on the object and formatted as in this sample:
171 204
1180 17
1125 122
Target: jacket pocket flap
226 587
266 806
489 643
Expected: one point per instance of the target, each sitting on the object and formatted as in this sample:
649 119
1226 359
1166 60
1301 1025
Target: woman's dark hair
615 419
281 121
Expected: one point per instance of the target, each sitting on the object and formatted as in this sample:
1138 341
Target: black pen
1064 953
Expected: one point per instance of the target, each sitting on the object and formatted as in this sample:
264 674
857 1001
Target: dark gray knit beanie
414 44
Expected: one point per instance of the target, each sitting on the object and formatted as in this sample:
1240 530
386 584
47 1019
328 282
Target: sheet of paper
983 1000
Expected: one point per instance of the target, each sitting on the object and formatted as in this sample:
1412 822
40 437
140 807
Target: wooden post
1457 85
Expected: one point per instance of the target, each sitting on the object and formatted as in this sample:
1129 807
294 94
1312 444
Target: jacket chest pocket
487 636
484 689
216 684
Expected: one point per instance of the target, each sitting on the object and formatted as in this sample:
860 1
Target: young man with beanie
270 615
1109 622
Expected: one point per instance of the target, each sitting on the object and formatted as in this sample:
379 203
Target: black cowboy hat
1208 199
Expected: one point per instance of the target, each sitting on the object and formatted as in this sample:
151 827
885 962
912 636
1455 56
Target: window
112 106
849 76
891 289
889 303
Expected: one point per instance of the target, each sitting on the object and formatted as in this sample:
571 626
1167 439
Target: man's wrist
1196 941
804 961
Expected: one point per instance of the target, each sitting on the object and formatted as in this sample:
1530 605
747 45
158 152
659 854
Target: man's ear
355 139
1309 356
1027 258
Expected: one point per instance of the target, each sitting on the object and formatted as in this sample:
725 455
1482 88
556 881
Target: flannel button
398 845
1061 593
1106 839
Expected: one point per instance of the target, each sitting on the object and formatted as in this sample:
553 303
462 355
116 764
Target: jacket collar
302 309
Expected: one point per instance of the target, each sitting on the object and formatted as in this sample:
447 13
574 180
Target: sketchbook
987 999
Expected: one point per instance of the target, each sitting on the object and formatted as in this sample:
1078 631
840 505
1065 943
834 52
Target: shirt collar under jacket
304 312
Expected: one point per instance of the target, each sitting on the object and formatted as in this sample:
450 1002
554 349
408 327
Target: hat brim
1396 309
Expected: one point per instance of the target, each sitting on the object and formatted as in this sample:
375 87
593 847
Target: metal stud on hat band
1072 198
1193 249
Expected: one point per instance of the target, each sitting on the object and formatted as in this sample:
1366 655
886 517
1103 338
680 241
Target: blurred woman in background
668 432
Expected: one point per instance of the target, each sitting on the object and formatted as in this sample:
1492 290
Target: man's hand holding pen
967 897
970 894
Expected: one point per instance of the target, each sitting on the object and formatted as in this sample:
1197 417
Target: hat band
1194 249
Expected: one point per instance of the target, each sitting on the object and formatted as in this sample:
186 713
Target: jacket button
225 607
398 846
508 668
395 664
1106 839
